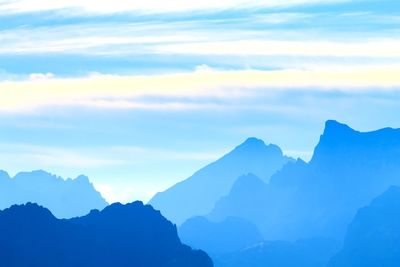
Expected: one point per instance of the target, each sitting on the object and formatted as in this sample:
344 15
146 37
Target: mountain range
320 198
252 207
119 235
304 209
198 194
65 198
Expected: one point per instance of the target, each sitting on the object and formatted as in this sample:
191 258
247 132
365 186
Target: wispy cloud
111 6
197 90
377 48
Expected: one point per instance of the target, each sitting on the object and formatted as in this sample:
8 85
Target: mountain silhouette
197 195
65 198
230 235
373 237
302 200
119 235
314 252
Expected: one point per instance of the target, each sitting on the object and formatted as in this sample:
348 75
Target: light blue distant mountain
65 198
197 195
319 198
230 235
373 237
314 252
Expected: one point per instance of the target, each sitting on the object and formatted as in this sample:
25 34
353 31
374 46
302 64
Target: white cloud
112 6
41 76
203 68
377 48
183 91
187 38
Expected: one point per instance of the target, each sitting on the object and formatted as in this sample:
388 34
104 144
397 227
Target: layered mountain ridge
119 235
197 195
319 198
65 198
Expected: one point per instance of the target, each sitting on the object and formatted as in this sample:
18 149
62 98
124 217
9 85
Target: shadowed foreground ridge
120 235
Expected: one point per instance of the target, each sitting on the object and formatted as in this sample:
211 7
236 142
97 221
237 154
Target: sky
139 95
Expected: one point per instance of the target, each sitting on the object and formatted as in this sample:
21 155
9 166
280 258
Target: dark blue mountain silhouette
65 198
119 235
319 198
197 195
230 235
373 237
314 252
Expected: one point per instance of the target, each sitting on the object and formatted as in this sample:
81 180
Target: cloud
378 48
40 76
42 156
112 6
181 91
191 38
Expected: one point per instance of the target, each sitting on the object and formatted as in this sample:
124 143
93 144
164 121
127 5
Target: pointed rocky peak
256 146
253 142
82 179
336 129
339 140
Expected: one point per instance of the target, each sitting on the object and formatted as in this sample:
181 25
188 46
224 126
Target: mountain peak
83 179
253 141
253 144
333 127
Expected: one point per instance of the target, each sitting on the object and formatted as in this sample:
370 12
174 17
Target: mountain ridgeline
65 198
319 198
197 195
303 211
119 235
252 207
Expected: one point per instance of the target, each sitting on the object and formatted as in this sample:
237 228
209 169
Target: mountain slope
198 194
373 237
319 198
232 234
65 198
314 252
119 235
